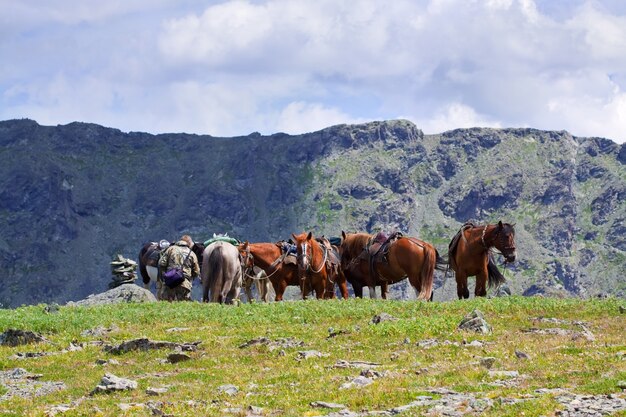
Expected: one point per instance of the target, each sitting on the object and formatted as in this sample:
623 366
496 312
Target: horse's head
504 240
247 259
303 243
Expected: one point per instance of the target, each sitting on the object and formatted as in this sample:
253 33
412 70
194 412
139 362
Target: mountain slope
73 196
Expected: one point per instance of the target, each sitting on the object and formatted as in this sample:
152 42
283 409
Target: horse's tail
428 272
142 266
441 263
216 274
495 276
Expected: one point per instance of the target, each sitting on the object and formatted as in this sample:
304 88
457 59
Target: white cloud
299 117
454 116
233 67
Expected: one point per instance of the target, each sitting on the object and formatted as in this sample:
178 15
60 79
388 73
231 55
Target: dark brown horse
364 264
318 267
149 259
469 255
271 258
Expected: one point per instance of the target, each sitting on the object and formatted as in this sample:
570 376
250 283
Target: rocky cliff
73 196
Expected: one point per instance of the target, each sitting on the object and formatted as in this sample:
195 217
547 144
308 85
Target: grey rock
379 318
111 383
323 404
130 293
521 355
228 389
177 357
475 321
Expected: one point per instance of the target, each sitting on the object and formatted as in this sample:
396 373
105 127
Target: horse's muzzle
510 257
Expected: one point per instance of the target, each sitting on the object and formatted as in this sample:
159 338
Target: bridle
497 238
308 257
247 265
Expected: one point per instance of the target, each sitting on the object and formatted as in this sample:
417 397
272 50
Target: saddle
333 260
288 250
377 250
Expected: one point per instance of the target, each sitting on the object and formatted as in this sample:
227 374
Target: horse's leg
372 289
358 290
481 284
247 287
461 285
384 290
279 289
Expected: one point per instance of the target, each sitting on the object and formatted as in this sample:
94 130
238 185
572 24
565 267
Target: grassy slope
285 386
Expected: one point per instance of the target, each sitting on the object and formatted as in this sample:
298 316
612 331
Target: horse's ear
500 226
294 236
309 236
343 235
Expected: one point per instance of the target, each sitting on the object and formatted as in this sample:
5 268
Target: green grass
276 381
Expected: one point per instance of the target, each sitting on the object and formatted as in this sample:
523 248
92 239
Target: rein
310 268
250 256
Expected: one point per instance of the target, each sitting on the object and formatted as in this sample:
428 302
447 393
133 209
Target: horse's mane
354 243
454 243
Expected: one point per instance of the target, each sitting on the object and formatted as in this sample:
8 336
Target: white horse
258 277
221 273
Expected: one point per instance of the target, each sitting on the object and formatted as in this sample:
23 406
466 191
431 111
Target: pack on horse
469 254
318 267
278 265
380 260
221 273
149 259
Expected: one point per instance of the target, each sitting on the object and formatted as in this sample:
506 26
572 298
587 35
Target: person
178 255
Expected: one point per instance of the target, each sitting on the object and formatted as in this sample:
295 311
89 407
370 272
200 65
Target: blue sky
229 68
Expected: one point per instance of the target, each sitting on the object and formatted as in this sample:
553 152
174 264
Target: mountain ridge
73 196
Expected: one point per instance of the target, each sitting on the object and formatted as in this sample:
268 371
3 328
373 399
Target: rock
129 293
521 355
379 318
147 344
358 382
18 382
177 357
156 391
228 389
15 337
307 354
621 385
475 322
504 374
487 362
111 383
322 404
622 309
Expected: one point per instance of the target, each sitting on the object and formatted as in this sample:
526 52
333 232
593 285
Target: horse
318 267
254 275
271 259
369 260
221 273
469 254
149 259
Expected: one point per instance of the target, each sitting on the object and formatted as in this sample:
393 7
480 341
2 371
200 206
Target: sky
230 68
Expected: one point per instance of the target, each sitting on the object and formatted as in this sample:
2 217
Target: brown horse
318 267
469 255
270 258
395 260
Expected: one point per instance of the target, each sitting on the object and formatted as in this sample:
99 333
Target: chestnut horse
270 258
469 255
406 257
318 267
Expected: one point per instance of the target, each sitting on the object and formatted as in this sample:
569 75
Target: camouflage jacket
175 255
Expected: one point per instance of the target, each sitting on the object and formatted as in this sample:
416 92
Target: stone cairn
123 270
